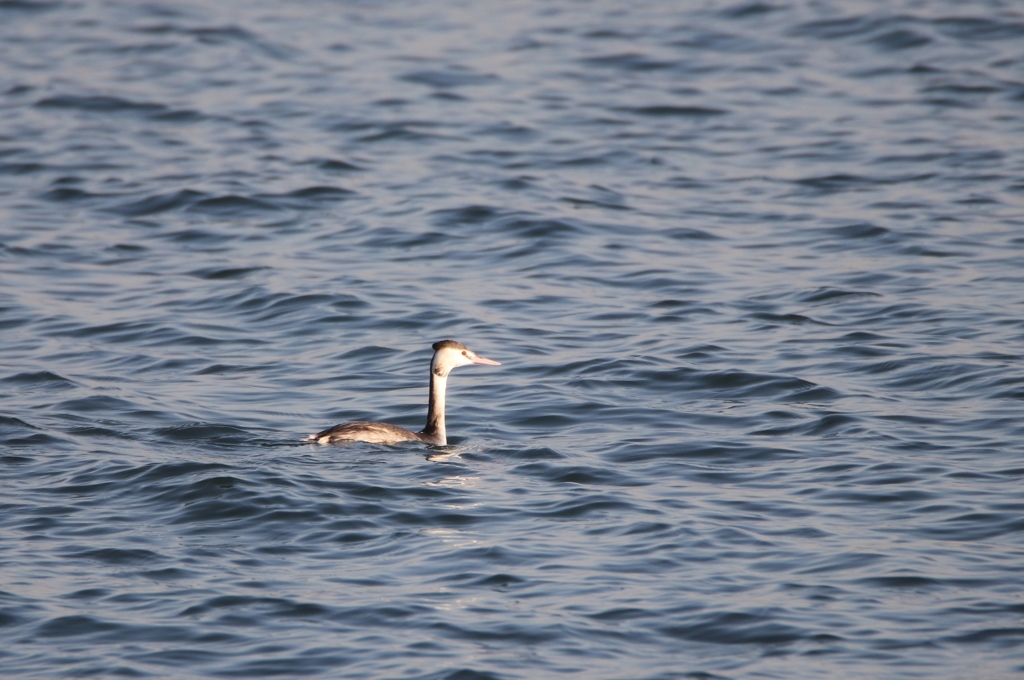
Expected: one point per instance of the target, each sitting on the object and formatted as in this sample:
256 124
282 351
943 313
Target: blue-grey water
754 272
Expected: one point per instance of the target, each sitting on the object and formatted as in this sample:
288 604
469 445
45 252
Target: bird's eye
464 354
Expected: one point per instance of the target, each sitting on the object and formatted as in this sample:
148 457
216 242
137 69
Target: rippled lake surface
754 272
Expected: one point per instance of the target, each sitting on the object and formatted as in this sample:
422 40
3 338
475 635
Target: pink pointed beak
485 361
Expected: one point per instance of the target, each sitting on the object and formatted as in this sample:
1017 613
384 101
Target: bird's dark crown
443 344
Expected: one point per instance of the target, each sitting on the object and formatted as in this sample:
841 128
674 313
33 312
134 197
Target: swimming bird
448 354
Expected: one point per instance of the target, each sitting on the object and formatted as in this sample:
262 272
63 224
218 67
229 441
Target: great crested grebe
448 354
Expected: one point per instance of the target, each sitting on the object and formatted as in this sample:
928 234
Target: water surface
753 271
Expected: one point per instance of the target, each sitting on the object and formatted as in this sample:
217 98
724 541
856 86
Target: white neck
434 429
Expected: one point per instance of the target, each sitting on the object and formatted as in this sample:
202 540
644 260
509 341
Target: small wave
97 403
749 9
21 168
76 625
675 111
838 182
334 165
830 295
233 205
859 231
452 77
828 425
843 27
399 132
159 203
226 273
470 214
900 39
573 474
735 384
534 228
43 379
980 28
107 104
736 628
70 195
114 556
202 432
629 61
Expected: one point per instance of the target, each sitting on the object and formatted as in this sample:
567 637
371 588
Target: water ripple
752 272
